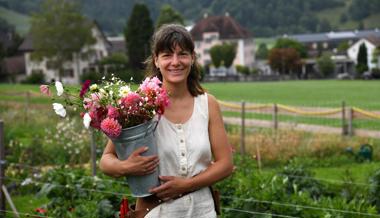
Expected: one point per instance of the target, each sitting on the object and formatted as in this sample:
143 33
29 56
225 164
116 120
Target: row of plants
293 191
290 191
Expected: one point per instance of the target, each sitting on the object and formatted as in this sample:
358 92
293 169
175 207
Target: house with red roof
216 30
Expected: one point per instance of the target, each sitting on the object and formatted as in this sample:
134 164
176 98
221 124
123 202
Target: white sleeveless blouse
184 150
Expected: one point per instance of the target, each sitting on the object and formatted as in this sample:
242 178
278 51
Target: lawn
322 93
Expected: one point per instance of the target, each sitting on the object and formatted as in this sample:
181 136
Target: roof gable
226 26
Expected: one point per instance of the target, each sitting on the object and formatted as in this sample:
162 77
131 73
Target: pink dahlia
113 112
111 127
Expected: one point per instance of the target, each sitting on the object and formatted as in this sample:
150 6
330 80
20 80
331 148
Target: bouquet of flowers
125 116
112 105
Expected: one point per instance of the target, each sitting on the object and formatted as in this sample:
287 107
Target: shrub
35 78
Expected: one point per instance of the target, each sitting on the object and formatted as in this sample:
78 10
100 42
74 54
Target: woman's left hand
172 188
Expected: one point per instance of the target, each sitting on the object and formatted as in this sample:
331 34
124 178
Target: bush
374 190
92 76
35 78
243 69
376 73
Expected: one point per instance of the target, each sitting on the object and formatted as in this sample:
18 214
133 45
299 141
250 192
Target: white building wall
353 51
244 53
96 52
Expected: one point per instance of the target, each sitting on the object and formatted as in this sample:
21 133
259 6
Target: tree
290 43
137 33
284 60
59 32
362 59
325 65
168 15
223 54
324 26
262 52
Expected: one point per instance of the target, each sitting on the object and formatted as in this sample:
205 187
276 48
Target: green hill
20 21
334 16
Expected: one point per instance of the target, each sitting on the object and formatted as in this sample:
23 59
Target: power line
258 213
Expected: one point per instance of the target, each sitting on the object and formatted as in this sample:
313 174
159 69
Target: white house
86 61
216 30
371 44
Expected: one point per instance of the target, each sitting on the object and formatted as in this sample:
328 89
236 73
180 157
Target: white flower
59 87
93 87
27 181
59 109
86 120
124 90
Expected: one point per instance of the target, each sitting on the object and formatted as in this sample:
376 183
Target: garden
278 173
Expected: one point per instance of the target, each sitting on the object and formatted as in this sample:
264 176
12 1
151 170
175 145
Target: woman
192 143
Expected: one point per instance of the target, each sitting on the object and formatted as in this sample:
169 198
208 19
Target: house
89 56
14 69
117 45
330 41
216 30
372 43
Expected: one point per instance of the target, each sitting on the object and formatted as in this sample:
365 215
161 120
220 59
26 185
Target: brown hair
165 39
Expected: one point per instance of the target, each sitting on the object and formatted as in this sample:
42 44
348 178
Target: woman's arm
221 168
135 164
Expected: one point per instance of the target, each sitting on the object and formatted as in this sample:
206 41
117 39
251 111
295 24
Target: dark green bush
35 78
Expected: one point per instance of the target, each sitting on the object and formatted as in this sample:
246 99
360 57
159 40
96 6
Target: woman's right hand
138 165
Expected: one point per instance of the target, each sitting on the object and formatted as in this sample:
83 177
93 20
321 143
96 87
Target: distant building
371 44
318 42
117 45
72 69
216 30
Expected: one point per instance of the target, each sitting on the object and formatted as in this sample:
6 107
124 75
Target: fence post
2 169
275 118
27 101
350 121
93 152
242 136
344 123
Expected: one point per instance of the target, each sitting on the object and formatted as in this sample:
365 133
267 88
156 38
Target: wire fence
73 188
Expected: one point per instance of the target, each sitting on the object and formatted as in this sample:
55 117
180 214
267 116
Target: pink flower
85 87
111 127
150 85
131 99
44 89
113 112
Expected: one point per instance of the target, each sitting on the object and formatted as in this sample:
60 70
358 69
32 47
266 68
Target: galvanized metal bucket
128 141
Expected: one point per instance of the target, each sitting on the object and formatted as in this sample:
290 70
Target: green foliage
291 192
58 32
242 69
262 52
223 54
343 46
35 78
73 194
168 15
137 33
374 189
324 26
325 65
362 61
290 43
360 9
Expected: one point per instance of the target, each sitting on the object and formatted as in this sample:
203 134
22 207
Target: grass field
325 93
314 93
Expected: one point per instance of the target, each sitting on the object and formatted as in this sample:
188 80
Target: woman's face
174 66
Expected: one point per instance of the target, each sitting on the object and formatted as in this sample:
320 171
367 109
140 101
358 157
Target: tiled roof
226 26
117 44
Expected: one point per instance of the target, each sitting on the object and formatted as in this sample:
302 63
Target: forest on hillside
261 17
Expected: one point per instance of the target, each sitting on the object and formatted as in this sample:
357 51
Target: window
68 73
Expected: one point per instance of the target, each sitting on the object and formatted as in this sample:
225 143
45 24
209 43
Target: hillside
262 18
19 21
